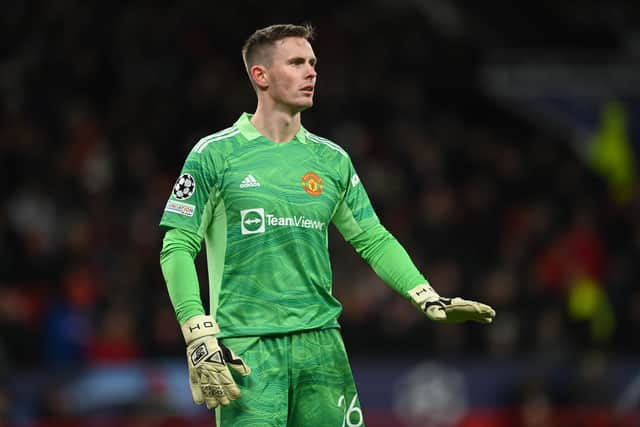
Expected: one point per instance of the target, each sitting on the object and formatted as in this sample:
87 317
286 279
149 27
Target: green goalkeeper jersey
263 210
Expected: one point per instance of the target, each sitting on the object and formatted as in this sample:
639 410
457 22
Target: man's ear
259 76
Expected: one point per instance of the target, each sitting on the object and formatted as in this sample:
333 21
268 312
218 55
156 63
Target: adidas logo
249 181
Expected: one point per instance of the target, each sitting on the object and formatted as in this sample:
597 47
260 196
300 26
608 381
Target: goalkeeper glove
209 361
449 310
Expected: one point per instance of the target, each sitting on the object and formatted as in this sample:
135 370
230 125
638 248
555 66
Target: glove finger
212 394
435 313
233 391
228 386
234 362
240 367
486 313
196 391
461 310
196 394
487 310
224 401
211 403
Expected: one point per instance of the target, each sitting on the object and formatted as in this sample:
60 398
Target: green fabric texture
179 248
388 258
263 210
298 380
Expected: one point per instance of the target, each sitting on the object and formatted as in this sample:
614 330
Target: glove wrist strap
422 294
198 327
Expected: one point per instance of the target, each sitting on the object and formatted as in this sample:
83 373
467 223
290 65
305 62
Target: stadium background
497 141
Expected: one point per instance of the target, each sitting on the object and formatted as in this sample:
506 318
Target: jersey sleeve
194 195
358 223
179 248
354 213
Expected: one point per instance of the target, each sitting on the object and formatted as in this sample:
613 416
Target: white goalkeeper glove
209 361
449 310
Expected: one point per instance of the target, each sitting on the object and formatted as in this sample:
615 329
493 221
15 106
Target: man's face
292 75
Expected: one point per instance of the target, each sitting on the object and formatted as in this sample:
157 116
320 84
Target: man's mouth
307 89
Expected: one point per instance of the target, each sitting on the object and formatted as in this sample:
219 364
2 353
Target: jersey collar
249 131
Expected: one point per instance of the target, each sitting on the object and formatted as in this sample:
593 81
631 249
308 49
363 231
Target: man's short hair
257 48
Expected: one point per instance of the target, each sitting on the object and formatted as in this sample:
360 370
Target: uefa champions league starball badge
185 187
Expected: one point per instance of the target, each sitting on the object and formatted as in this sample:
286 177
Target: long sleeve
179 249
358 223
388 258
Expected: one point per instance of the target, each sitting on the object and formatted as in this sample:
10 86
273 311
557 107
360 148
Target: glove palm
449 310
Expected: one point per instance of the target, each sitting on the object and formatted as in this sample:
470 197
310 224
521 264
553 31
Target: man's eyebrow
300 60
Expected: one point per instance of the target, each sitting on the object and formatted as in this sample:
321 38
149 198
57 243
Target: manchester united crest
312 184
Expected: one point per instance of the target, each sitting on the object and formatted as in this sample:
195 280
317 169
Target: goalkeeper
261 195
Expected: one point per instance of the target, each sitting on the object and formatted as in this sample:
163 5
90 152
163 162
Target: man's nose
311 72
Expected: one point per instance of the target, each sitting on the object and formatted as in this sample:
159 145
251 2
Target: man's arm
359 225
388 258
179 250
209 361
392 264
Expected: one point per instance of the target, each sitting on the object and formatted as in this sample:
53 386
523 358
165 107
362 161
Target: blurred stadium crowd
101 101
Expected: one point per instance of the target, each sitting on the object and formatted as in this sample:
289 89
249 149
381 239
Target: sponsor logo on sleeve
355 180
180 208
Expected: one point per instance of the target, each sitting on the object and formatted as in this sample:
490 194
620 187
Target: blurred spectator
577 252
115 340
68 321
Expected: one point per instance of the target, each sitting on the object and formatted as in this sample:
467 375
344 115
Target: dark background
470 123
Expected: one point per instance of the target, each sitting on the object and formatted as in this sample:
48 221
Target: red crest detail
312 184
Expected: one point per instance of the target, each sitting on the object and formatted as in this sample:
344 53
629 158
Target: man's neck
277 126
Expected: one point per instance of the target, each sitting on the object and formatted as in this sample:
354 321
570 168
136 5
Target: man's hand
209 361
449 310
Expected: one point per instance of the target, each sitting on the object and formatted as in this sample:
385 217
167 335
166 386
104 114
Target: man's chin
305 105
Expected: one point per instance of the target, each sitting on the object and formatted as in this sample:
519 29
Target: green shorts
299 379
